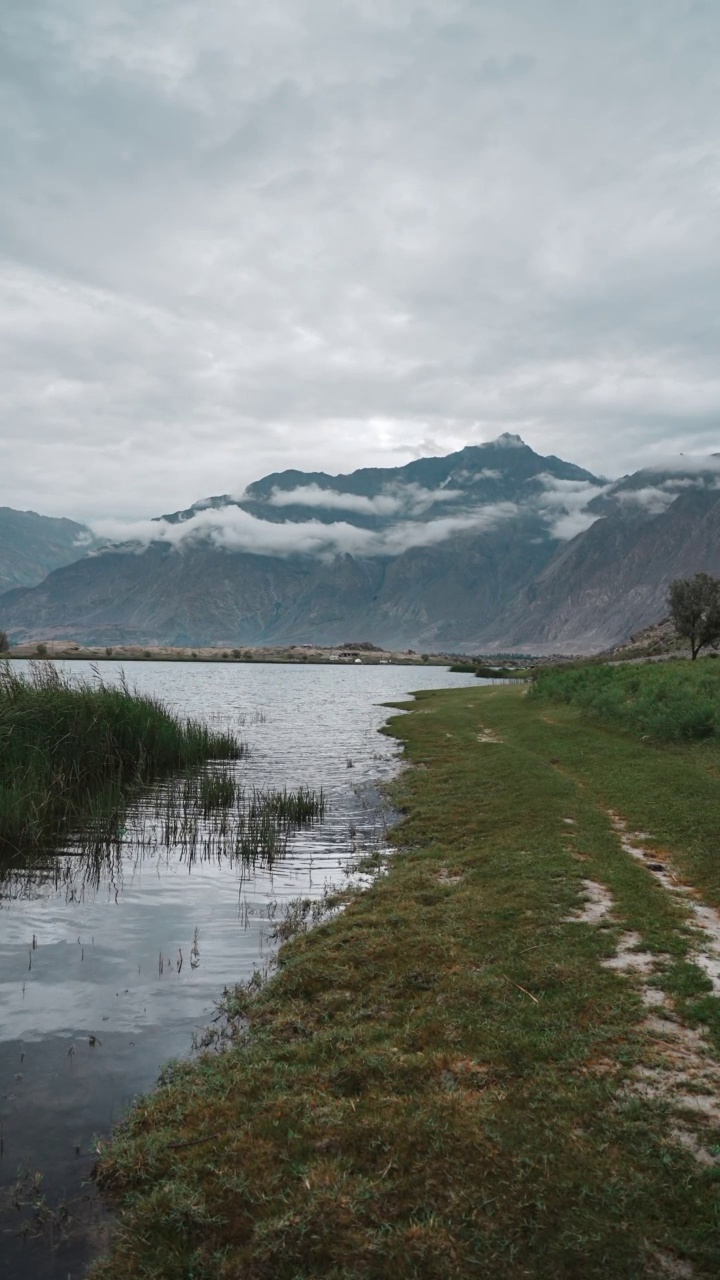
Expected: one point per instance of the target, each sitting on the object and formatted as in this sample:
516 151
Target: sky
322 234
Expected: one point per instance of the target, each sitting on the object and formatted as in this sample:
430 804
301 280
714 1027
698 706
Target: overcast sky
241 236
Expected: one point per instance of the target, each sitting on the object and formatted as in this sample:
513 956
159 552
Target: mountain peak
508 441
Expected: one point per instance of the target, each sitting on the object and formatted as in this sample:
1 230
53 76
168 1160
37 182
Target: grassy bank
664 700
66 745
441 1081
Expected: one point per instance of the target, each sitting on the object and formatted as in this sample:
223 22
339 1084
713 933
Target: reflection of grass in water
194 818
67 748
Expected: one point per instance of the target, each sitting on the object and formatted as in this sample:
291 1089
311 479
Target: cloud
410 498
567 493
240 238
232 529
564 503
650 499
688 466
312 495
570 523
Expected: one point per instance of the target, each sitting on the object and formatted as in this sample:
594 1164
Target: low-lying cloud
565 507
564 504
411 499
232 529
650 500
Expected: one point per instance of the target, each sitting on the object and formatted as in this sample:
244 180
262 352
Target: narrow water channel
103 978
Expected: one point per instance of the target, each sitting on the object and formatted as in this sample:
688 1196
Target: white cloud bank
233 529
411 499
563 506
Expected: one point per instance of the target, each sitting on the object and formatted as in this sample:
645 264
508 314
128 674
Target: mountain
31 546
613 579
422 554
492 547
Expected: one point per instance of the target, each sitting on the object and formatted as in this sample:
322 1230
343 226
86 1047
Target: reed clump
211 817
64 744
668 701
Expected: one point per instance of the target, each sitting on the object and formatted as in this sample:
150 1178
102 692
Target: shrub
663 700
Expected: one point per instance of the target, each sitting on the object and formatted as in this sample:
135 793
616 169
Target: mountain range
494 547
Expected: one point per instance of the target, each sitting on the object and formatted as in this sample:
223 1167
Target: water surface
93 997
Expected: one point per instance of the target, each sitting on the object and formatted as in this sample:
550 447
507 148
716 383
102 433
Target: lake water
92 997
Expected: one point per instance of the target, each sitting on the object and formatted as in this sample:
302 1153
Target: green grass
65 747
665 700
433 1084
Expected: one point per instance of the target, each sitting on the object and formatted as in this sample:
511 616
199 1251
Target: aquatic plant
68 748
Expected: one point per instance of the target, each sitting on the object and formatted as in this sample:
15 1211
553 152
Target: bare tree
4 642
695 610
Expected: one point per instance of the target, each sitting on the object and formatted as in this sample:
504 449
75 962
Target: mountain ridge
31 546
491 547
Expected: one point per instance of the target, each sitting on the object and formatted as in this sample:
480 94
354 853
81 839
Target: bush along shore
69 750
501 1060
670 700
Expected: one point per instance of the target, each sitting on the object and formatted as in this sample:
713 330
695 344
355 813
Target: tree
695 610
4 642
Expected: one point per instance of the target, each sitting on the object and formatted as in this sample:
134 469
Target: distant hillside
612 580
492 547
31 546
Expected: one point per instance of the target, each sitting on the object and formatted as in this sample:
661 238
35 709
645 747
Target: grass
668 700
67 748
434 1083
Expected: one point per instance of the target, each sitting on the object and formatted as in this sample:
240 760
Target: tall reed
66 744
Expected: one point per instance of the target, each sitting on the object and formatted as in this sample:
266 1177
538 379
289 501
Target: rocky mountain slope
31 546
493 547
613 579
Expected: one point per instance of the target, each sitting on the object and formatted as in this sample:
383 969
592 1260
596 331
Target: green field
444 1081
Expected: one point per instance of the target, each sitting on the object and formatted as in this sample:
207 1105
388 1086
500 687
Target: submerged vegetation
188 820
69 749
671 700
455 1077
211 817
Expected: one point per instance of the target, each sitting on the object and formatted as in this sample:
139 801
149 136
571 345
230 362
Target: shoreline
450 1077
337 655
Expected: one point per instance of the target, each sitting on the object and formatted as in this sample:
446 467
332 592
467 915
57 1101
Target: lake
94 994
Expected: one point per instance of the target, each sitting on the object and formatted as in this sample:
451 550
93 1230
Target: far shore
357 654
